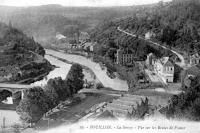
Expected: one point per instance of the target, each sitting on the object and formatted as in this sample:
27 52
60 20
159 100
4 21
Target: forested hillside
20 56
176 24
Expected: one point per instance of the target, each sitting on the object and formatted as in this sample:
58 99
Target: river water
115 84
61 71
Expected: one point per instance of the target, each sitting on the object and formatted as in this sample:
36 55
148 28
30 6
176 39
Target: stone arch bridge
15 88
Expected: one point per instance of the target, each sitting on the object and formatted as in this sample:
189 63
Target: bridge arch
14 93
4 94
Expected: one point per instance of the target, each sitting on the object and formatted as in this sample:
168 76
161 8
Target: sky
77 2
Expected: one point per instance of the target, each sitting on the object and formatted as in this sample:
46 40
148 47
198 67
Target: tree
4 94
58 89
75 77
33 106
111 53
52 96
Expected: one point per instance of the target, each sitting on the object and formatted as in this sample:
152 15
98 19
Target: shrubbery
99 86
33 106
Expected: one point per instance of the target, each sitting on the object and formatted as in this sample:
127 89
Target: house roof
166 62
126 51
60 36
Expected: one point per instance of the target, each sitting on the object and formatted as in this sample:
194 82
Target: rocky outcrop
20 56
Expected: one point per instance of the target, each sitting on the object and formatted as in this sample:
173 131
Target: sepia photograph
99 66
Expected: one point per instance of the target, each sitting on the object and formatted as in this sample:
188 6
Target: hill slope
20 56
176 24
43 22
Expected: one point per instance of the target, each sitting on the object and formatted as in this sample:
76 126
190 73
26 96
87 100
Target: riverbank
115 84
87 69
33 79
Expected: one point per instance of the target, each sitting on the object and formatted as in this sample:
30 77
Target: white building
165 69
194 59
149 34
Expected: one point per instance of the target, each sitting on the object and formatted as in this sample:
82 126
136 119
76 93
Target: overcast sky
77 2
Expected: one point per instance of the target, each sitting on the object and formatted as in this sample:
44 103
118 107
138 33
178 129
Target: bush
99 86
33 106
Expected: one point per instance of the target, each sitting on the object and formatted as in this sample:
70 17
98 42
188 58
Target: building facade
194 59
124 57
165 69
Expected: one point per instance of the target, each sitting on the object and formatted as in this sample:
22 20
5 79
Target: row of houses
166 69
163 66
88 46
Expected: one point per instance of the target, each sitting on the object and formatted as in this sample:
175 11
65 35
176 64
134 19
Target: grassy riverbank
71 113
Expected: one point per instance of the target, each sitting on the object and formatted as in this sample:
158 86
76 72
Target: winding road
181 63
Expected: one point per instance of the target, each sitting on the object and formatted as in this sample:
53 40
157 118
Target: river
115 84
61 71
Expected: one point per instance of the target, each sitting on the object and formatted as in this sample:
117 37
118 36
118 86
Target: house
194 59
149 34
89 46
165 69
125 57
60 36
